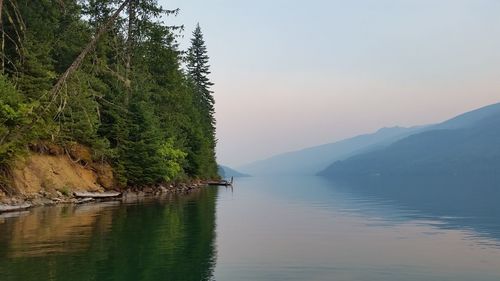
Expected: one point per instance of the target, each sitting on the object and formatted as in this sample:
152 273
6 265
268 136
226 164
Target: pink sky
292 74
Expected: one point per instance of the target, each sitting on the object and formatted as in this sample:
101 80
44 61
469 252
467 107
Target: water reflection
310 228
169 239
449 202
303 228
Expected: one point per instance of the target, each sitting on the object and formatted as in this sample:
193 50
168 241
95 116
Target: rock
41 201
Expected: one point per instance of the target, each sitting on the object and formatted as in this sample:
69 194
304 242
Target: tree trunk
130 46
2 63
78 61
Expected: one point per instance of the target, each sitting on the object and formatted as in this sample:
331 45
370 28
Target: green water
267 229
152 240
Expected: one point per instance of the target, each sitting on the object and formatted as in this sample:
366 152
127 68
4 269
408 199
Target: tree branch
2 66
78 61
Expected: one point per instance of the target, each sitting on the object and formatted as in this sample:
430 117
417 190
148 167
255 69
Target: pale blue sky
292 74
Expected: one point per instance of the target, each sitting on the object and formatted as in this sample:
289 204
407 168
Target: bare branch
1 6
78 61
2 65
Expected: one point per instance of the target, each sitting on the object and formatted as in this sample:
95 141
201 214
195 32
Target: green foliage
130 100
15 113
198 70
173 158
139 154
78 115
203 148
65 190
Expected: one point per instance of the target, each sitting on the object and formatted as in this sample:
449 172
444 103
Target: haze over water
412 204
290 74
303 228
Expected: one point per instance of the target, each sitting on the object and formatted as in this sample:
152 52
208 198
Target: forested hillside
312 160
465 146
108 75
226 172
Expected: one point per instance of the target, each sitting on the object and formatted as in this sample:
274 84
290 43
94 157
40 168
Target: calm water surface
267 229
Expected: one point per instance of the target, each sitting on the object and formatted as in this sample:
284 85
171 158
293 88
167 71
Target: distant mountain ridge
227 172
313 160
467 144
469 118
310 161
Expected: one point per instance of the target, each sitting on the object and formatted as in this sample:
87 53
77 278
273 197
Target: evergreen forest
108 75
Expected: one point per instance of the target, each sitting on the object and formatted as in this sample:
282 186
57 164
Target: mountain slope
467 144
227 172
311 160
469 118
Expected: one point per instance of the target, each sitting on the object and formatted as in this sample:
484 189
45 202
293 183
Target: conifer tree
198 70
127 98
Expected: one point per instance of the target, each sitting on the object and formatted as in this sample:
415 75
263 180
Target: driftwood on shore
84 200
81 197
12 208
97 195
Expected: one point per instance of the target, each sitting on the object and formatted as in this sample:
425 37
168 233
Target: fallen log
12 208
13 214
97 195
84 200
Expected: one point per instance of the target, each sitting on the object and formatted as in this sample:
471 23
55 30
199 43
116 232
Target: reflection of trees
157 240
57 230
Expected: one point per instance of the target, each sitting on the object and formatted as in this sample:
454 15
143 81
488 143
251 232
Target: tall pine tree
128 99
198 71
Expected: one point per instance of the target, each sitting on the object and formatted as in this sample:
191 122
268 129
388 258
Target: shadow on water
162 239
458 202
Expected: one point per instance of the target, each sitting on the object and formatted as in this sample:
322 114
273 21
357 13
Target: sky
291 74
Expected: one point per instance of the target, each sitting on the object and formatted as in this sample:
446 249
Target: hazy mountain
467 144
227 172
312 160
469 118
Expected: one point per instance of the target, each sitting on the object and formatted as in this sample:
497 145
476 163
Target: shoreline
18 203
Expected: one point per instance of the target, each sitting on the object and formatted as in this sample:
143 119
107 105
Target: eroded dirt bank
51 175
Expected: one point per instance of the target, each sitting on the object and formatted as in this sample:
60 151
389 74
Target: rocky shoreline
43 198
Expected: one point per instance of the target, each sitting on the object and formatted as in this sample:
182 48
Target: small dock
221 182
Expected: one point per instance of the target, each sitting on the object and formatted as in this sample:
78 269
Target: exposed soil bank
51 175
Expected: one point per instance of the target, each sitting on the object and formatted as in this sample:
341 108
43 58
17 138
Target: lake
302 228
